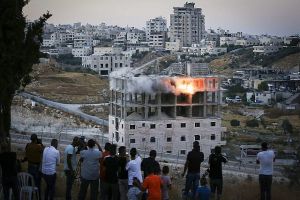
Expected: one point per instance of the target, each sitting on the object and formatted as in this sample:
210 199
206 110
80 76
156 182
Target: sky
274 17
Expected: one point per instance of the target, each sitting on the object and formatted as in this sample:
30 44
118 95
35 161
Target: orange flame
185 86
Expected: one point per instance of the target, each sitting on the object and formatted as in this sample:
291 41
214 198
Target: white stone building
187 24
165 113
107 50
82 40
105 64
263 98
157 40
227 40
158 24
265 49
80 52
173 46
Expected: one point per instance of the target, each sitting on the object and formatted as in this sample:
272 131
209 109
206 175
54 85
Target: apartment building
187 24
158 24
82 40
165 113
105 64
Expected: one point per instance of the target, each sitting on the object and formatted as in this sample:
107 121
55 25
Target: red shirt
102 167
153 184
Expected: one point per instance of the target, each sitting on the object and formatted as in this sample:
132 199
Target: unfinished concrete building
165 113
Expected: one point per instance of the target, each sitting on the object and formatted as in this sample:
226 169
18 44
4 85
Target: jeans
50 189
265 182
34 170
84 186
192 183
110 191
69 183
123 188
216 184
10 182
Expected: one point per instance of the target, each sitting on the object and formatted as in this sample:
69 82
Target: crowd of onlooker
112 174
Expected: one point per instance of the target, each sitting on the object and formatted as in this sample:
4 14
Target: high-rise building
155 25
187 24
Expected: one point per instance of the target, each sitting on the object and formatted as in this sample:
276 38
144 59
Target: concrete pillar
205 103
158 98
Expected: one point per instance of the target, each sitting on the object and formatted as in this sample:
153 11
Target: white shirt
134 170
266 159
51 158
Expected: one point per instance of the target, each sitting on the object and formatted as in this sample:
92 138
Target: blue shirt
90 165
203 193
70 150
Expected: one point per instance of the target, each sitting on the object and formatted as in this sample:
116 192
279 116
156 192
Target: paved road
69 108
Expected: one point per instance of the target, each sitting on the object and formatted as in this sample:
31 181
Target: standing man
134 167
111 174
33 154
215 171
265 158
90 159
122 173
51 158
192 165
10 168
150 162
103 184
70 164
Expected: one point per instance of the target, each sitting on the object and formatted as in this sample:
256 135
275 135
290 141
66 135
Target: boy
153 184
166 183
203 192
134 193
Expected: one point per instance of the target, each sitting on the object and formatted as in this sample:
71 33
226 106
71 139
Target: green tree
263 86
287 126
19 50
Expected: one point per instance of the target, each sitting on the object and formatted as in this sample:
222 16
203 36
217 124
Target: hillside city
163 87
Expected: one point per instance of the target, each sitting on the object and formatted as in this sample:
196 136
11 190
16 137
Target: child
153 184
166 183
203 192
134 193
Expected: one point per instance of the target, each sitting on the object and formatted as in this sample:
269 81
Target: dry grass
288 62
67 87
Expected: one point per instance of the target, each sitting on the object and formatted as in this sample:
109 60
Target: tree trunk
5 120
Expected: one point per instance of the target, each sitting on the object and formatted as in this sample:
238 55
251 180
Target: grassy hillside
67 87
288 62
285 59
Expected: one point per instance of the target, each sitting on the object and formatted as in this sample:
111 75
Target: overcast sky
275 17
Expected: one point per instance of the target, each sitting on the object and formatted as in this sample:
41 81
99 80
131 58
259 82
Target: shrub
235 122
252 123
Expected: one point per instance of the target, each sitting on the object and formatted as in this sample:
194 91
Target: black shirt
150 162
111 166
123 174
215 165
8 162
194 158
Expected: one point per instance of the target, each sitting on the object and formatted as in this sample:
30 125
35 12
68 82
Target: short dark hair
152 153
91 143
264 145
76 139
196 145
33 137
165 169
113 149
133 152
54 143
217 149
107 146
122 149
